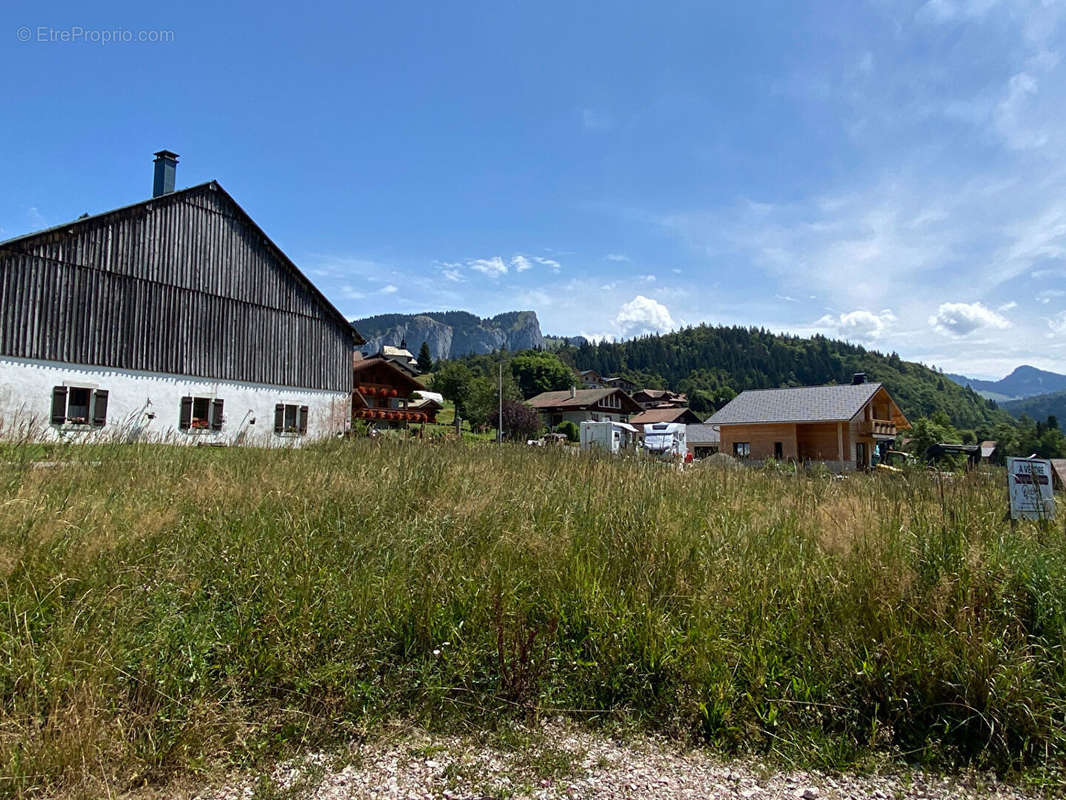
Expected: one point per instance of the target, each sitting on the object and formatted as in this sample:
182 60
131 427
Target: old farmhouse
840 426
176 317
578 405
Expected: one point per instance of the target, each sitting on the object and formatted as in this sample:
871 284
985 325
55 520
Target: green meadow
168 611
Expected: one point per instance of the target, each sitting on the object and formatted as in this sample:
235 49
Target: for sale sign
1029 481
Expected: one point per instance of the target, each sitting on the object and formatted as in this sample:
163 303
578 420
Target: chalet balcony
878 428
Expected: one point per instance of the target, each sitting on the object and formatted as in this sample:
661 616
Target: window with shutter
216 414
100 408
78 401
290 418
59 405
185 415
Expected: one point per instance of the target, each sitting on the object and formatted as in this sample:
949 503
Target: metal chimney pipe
166 165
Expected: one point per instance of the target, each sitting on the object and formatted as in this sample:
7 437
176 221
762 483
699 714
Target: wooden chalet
579 405
840 426
659 398
382 393
175 317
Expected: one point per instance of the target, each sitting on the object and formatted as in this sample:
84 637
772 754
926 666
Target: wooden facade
382 393
184 284
842 444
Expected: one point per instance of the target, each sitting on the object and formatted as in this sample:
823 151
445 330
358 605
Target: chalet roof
426 394
245 218
702 434
581 398
659 394
396 352
653 415
802 404
988 447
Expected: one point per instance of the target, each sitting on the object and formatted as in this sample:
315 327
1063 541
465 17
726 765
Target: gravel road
559 760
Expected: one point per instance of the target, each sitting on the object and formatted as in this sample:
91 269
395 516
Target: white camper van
614 437
665 440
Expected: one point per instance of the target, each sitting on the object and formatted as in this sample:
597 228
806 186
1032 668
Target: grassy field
174 610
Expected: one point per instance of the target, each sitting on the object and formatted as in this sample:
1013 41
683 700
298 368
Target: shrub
572 431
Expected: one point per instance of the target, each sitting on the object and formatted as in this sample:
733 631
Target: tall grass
167 609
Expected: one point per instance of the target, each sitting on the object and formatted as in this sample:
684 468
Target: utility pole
499 427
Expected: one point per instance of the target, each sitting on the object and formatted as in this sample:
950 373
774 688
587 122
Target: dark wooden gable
185 283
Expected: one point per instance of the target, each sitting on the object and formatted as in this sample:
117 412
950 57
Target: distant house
382 393
590 379
578 405
653 415
659 398
840 426
703 440
401 357
175 317
624 384
988 450
429 403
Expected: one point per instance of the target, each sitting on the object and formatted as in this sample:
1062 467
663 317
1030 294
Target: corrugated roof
801 404
703 434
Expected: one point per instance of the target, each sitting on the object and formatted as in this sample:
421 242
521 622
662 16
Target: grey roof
802 404
702 434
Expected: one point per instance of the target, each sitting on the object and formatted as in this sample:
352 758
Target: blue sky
892 173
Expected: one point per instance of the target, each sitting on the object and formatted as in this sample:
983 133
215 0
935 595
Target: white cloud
1011 114
521 263
491 267
962 319
1048 295
616 257
390 289
548 262
1008 306
859 325
643 315
1058 324
349 292
451 274
939 11
649 278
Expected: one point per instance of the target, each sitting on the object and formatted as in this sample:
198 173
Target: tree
425 359
480 403
453 380
540 372
520 422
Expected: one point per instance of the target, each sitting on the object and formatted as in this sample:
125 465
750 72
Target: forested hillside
713 364
1039 407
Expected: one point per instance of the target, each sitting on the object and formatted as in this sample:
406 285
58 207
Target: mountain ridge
1023 381
452 334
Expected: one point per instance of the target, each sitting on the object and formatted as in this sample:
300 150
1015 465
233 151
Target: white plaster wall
577 417
145 406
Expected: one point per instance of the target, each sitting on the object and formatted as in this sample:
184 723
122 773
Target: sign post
1029 487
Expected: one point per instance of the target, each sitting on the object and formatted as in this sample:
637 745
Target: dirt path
561 761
